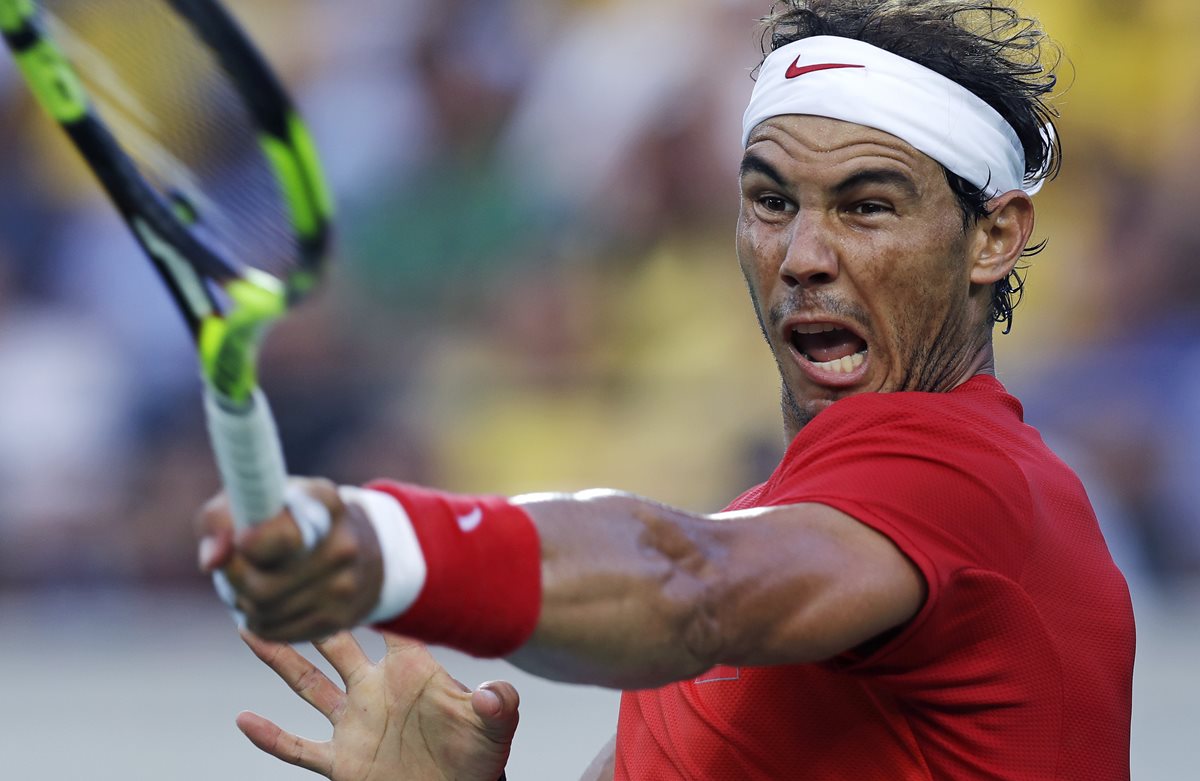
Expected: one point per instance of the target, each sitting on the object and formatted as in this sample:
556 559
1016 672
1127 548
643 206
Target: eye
774 203
870 208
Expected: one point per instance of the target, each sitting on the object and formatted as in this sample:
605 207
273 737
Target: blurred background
535 289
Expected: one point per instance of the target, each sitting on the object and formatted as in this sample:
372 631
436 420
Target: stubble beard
937 363
931 364
795 414
795 417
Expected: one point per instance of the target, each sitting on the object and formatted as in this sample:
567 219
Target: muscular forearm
636 595
626 592
614 590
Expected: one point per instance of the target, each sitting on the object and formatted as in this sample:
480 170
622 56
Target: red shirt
1018 666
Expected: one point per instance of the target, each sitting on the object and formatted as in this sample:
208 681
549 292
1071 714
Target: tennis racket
205 158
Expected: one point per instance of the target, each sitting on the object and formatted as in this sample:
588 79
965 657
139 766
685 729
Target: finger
414 654
271 543
496 703
400 643
273 600
214 551
214 516
213 527
335 600
313 686
281 592
281 539
346 655
341 548
311 627
293 749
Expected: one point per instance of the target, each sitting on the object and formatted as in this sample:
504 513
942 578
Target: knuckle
309 681
323 490
249 606
236 578
274 546
213 514
344 587
258 592
342 548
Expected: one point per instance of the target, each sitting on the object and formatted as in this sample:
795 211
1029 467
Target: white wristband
403 562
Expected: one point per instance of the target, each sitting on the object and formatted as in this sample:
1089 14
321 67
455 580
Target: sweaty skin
841 227
846 224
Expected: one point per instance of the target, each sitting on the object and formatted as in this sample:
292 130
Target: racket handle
314 521
250 460
249 456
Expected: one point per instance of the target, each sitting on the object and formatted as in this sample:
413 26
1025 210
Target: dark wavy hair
987 47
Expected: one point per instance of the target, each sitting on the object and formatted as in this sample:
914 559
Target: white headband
841 78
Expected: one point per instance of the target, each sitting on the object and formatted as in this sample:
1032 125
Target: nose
811 258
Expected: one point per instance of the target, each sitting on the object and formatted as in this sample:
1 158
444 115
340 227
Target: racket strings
179 117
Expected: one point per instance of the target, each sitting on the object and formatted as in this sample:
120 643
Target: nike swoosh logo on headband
795 69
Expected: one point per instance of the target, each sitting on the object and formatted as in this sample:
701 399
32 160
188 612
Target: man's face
853 247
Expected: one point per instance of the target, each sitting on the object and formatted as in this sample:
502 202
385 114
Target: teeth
815 328
843 365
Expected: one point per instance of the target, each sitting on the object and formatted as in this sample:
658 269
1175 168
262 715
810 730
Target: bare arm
633 594
637 595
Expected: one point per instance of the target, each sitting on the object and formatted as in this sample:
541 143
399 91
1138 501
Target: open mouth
829 348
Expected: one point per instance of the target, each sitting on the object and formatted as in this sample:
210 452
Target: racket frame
228 329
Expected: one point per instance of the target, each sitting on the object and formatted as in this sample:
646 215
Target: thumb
271 542
213 526
214 551
496 704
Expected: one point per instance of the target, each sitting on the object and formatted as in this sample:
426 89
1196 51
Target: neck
982 361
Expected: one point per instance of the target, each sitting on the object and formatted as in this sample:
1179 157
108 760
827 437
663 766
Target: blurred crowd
535 286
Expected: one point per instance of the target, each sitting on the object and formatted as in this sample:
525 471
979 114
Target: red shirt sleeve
936 485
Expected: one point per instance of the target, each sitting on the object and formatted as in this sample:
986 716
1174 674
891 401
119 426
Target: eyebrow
884 176
753 164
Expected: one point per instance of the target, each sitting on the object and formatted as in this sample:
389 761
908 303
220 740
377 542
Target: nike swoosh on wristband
470 521
795 69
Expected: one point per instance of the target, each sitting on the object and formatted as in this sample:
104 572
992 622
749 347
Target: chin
798 413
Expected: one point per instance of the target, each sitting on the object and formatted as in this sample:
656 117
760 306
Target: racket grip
249 457
314 521
250 460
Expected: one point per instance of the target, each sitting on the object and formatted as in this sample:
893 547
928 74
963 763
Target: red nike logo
795 70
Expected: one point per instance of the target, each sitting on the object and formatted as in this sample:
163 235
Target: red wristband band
483 585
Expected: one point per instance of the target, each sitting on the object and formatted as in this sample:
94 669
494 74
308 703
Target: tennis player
919 590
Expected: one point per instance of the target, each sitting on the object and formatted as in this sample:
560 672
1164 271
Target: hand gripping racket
203 155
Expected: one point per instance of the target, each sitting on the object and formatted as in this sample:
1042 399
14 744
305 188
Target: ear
1001 237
